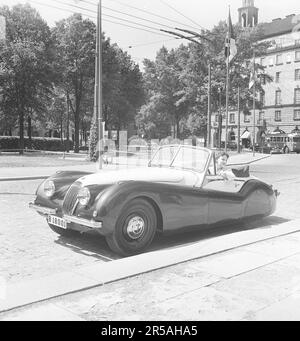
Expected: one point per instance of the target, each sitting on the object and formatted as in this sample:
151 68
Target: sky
140 44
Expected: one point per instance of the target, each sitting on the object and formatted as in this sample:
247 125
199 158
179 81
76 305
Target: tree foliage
177 82
26 59
75 59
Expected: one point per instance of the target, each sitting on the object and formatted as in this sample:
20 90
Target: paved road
29 249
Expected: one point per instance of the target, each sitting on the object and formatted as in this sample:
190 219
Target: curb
24 178
23 294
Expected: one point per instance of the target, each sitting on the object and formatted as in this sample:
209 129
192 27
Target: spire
248 14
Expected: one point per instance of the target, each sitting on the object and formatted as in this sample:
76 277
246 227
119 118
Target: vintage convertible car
178 190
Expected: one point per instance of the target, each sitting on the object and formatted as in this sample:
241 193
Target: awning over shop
295 131
278 131
246 136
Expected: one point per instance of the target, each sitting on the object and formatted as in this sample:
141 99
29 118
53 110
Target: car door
225 203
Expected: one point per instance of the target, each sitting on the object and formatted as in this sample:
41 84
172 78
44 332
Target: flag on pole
252 81
253 76
230 45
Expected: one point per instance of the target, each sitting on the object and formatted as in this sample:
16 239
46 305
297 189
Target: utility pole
227 103
220 119
239 122
98 81
209 108
254 104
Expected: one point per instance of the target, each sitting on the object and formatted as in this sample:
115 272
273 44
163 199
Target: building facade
281 101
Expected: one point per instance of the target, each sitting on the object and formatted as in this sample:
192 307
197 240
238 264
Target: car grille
71 199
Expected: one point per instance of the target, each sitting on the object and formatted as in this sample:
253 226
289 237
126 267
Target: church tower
248 14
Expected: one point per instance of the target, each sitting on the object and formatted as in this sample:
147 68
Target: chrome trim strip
42 209
80 221
74 207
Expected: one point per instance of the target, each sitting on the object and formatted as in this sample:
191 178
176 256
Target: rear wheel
62 232
135 228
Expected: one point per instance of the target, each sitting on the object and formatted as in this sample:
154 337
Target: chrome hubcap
135 227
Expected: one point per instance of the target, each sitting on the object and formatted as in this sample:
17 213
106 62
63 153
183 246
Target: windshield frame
179 147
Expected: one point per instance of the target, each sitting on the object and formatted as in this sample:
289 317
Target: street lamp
98 99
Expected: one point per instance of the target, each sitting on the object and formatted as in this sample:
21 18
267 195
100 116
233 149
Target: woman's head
222 160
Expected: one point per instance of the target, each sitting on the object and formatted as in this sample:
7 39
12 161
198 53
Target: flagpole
208 140
100 79
254 104
227 101
239 121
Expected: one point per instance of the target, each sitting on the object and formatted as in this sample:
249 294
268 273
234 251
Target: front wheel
135 228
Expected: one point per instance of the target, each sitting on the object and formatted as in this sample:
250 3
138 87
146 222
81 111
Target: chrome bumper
42 209
69 219
80 221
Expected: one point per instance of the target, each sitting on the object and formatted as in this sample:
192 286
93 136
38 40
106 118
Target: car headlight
49 188
84 196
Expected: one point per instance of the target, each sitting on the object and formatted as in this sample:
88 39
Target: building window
232 118
263 99
277 77
278 97
296 115
297 75
271 62
278 116
279 59
261 117
246 118
263 61
297 96
297 56
288 59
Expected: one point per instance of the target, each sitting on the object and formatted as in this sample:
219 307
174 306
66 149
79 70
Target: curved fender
111 201
63 180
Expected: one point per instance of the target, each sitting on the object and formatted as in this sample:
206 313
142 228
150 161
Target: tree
177 81
166 96
75 50
27 65
57 112
123 92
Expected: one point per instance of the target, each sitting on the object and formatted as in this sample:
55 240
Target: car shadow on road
181 239
93 245
88 244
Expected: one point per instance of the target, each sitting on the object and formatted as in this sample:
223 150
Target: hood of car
163 175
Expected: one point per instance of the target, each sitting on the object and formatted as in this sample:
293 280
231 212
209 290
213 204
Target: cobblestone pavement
29 249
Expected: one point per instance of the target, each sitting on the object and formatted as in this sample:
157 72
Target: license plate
57 221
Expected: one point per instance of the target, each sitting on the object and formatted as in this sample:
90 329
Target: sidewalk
248 275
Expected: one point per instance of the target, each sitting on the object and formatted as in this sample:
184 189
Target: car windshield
182 157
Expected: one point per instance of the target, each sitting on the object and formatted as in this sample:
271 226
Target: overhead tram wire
153 43
153 14
182 37
175 10
137 28
110 21
61 9
141 10
116 11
